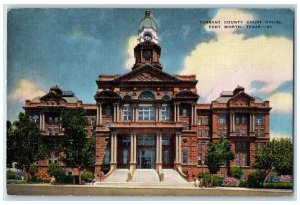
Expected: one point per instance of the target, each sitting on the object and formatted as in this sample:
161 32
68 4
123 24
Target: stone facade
148 118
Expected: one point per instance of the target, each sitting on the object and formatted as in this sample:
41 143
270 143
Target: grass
15 181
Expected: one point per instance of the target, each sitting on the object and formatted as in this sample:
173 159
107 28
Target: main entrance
146 152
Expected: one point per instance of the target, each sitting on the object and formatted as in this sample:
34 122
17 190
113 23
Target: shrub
217 181
57 172
285 178
33 170
10 174
278 185
255 179
236 172
42 176
19 174
87 176
243 183
231 182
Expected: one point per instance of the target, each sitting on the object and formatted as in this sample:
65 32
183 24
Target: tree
276 156
78 148
10 144
24 143
218 154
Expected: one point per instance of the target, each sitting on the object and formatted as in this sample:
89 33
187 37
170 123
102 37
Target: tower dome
148 29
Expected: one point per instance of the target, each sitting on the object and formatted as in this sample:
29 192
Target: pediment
51 96
147 73
242 97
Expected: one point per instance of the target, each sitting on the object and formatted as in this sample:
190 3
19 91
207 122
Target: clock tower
148 49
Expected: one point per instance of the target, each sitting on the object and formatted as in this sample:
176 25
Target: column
131 148
100 113
192 114
233 122
118 113
179 148
41 120
253 121
177 113
157 148
121 113
160 148
112 152
176 148
116 150
195 114
97 114
136 113
250 124
159 113
134 148
114 117
156 114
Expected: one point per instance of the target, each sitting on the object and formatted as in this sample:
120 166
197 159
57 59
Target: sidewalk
138 190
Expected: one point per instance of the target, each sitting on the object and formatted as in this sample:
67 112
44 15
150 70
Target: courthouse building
149 119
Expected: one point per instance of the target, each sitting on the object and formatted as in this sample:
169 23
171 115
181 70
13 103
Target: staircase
172 177
145 176
117 176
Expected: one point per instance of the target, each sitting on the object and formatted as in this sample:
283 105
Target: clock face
147 37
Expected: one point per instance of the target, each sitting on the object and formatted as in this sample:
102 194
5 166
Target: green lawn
15 181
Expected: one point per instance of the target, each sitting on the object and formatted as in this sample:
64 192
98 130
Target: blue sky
71 47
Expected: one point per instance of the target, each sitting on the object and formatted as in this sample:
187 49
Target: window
262 132
207 133
52 160
184 112
93 120
107 124
200 152
256 132
244 121
146 113
125 156
237 132
219 132
245 154
127 112
207 121
56 131
127 97
200 133
107 156
199 120
107 111
184 155
125 141
238 150
146 95
238 119
146 140
166 97
166 140
259 119
50 119
50 131
225 132
184 125
222 119
165 113
35 118
243 132
56 119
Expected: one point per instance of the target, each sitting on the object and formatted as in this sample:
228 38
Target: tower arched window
127 97
35 118
146 95
166 97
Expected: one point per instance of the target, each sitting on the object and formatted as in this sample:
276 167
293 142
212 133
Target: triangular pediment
147 73
51 96
242 96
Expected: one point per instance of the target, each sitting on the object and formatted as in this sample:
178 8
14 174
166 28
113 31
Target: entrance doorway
146 152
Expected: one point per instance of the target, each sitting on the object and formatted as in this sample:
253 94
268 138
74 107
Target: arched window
166 97
146 95
35 118
184 155
127 97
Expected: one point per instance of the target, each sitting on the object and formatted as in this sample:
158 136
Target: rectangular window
146 113
165 113
184 155
200 152
225 132
200 133
50 119
107 156
56 119
56 130
237 120
184 112
256 132
244 121
107 111
127 112
262 132
207 120
50 131
219 132
259 119
243 132
107 124
184 124
126 141
166 140
238 150
244 153
207 133
222 119
199 120
237 132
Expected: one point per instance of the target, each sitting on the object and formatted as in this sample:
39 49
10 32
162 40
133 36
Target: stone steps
145 176
117 176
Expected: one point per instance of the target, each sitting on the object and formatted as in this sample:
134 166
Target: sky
71 47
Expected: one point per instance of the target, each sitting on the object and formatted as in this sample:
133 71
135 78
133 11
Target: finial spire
147 13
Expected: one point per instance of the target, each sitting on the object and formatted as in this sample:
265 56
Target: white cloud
25 90
281 102
231 60
275 135
132 42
